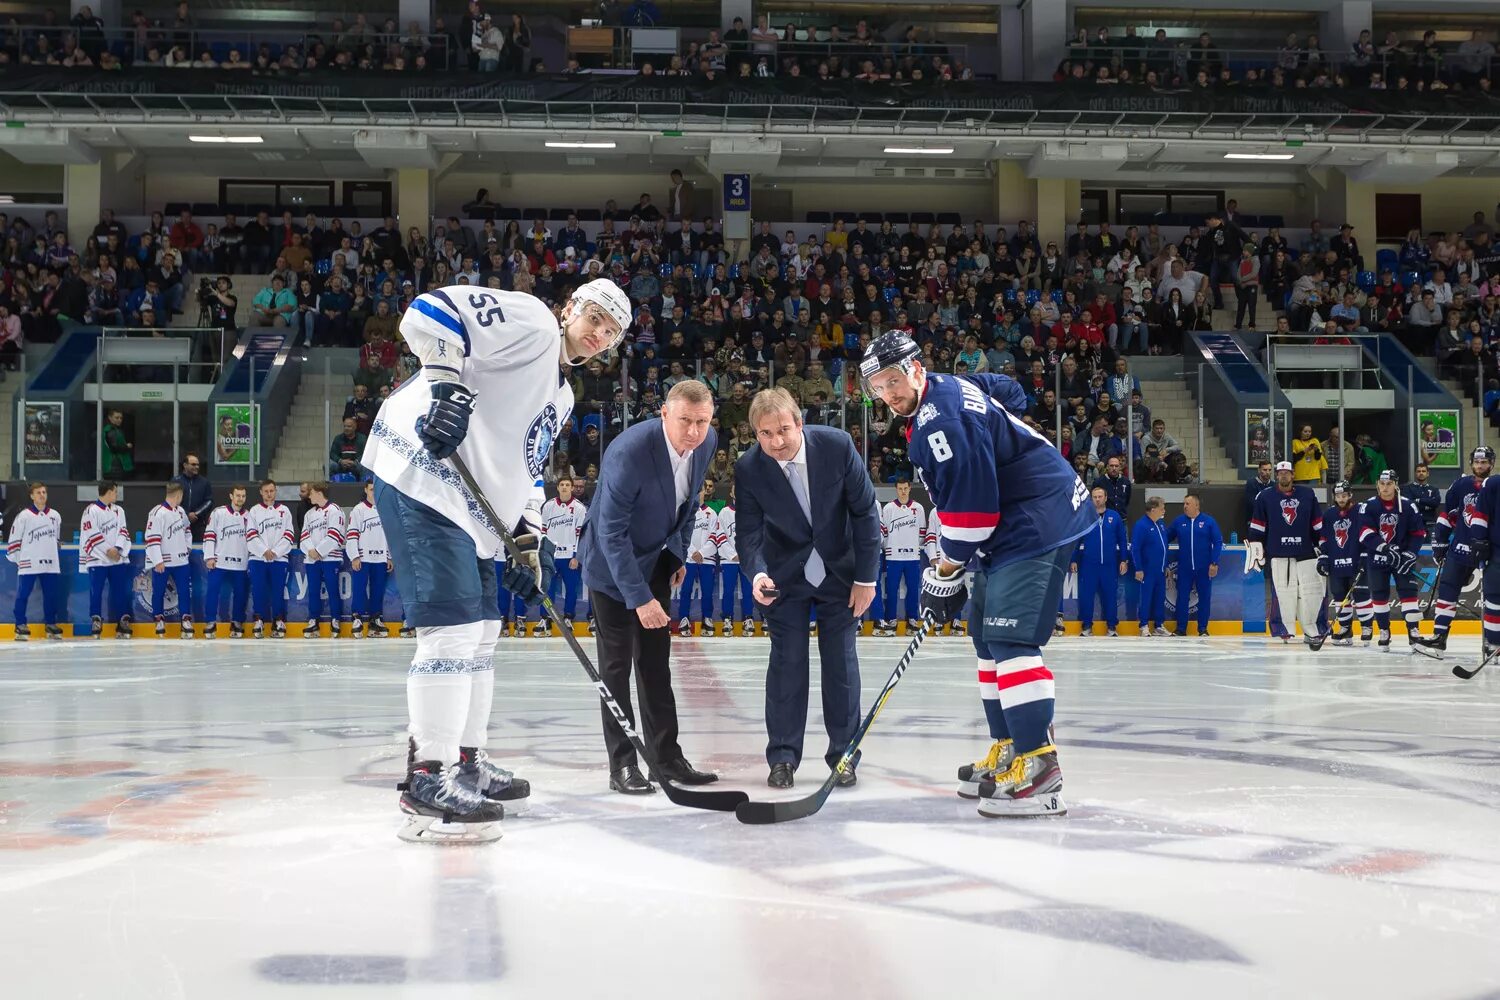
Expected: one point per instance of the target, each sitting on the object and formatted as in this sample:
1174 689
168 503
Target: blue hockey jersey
1397 524
1000 489
1341 539
1289 523
1484 517
1104 546
1455 522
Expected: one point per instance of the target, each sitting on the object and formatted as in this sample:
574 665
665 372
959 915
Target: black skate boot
236 631
443 807
210 630
1343 637
593 629
161 629
407 632
96 626
23 633
884 627
55 632
495 782
685 627
568 626
123 628
1433 645
311 631
357 628
970 776
1315 642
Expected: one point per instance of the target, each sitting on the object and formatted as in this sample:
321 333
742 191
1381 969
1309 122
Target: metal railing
1186 56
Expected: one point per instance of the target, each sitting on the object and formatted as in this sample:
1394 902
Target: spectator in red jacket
188 237
1087 329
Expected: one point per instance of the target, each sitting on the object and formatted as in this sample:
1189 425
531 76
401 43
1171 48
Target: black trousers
788 674
623 644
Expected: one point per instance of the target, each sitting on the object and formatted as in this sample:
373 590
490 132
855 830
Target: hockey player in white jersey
169 538
322 544
104 553
701 572
369 566
226 555
491 362
562 518
32 546
268 539
903 531
732 582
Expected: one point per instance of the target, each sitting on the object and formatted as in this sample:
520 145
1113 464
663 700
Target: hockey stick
717 801
761 813
1464 673
1437 575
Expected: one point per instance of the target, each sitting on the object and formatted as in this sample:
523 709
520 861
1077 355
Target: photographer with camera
217 300
1308 461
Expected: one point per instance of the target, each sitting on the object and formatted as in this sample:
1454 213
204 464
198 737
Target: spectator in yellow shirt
1308 461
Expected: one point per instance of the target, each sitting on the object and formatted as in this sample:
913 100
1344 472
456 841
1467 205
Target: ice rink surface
1247 820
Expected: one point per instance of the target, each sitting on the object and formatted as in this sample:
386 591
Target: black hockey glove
1481 549
529 575
1383 556
943 596
1403 561
1322 565
1439 551
446 424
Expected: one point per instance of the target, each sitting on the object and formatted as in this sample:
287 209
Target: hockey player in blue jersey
1002 493
1102 557
1391 533
1286 522
1453 545
1484 529
1340 559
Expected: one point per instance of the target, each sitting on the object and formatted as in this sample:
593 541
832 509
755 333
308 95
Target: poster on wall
1264 442
237 433
44 432
1437 438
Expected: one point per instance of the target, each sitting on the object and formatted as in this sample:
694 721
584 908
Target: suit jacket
634 514
772 535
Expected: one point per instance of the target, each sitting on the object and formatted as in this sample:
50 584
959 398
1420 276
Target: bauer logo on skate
1289 510
539 437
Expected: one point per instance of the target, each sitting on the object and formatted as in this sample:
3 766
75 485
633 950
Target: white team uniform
506 345
724 536
701 543
904 528
32 544
169 536
225 539
269 528
323 534
930 536
366 539
100 529
563 525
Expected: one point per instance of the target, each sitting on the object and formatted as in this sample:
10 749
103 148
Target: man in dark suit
632 554
800 557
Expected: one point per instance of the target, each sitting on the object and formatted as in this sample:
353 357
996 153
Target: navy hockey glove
529 575
1322 565
1439 551
1480 547
446 424
1403 561
1383 556
943 596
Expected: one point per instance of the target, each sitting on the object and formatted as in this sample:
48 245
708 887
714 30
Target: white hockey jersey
724 535
505 346
564 526
366 538
323 534
903 530
269 527
930 537
101 528
169 536
225 538
32 544
701 542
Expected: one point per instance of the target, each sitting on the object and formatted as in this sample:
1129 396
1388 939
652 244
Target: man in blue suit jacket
809 537
632 554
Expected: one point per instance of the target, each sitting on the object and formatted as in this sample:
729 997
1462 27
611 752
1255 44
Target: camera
205 288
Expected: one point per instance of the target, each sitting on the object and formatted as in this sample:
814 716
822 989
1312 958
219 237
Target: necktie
813 568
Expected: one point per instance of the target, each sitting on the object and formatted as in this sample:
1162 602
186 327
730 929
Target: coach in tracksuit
1199 545
1103 555
1148 551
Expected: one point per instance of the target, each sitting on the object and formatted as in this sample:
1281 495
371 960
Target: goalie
1285 525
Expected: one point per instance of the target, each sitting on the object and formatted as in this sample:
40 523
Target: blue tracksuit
735 582
1148 553
1098 556
898 571
569 581
1199 545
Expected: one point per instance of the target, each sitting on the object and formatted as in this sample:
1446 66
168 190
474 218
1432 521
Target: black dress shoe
781 776
684 773
628 780
847 779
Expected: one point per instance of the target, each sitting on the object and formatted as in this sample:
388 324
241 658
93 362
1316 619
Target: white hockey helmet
610 297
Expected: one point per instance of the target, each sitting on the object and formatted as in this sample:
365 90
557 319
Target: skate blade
1427 651
432 830
1049 804
515 807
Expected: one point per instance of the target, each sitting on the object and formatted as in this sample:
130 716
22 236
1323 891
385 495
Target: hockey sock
1442 615
482 692
439 688
1382 610
1027 694
1413 616
989 696
1491 623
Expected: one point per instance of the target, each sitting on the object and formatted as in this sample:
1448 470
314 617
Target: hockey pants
268 588
700 575
897 572
1099 584
119 577
237 581
368 600
324 573
1378 578
52 597
1339 586
182 576
1299 593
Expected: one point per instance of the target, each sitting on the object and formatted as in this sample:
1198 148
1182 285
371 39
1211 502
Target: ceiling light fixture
1258 156
234 139
579 145
919 150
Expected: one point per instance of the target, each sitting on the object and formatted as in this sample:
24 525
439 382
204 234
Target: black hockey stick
1437 575
1466 674
760 813
717 801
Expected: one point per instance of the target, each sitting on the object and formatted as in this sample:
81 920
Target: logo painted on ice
925 413
1289 510
539 438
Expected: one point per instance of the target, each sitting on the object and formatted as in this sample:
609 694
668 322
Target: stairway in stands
302 453
10 387
1170 400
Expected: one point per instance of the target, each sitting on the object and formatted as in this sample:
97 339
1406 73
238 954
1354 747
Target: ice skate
23 633
1160 633
441 807
54 632
494 782
260 629
161 629
96 626
210 630
568 626
914 625
884 628
279 632
375 630
310 631
726 629
1031 787
999 758
1061 627
357 628
123 629
1432 646
407 632
593 629
1344 638
185 630
1385 641
710 628
1113 633
960 628
236 631
684 627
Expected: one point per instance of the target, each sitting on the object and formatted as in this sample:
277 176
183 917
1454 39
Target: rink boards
1239 599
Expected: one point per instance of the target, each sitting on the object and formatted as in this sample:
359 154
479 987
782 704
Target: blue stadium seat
585 215
1387 260
590 249
1366 280
534 213
1009 295
324 266
923 218
219 50
1057 296
890 292
665 271
734 271
206 208
1411 279
1032 297
558 214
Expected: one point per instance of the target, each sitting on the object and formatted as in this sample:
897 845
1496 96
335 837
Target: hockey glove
529 574
943 596
1481 549
1403 561
1255 556
1383 556
1439 551
1322 565
446 424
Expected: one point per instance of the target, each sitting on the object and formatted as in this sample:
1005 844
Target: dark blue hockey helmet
892 349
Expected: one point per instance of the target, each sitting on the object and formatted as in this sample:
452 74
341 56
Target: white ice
1248 820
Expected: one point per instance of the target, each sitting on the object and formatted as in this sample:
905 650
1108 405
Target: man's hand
679 575
572 564
270 556
159 568
1213 570
312 556
210 563
193 518
652 616
1124 567
1072 567
356 564
860 597
389 565
113 554
758 589
446 423
696 557
528 572
1139 575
